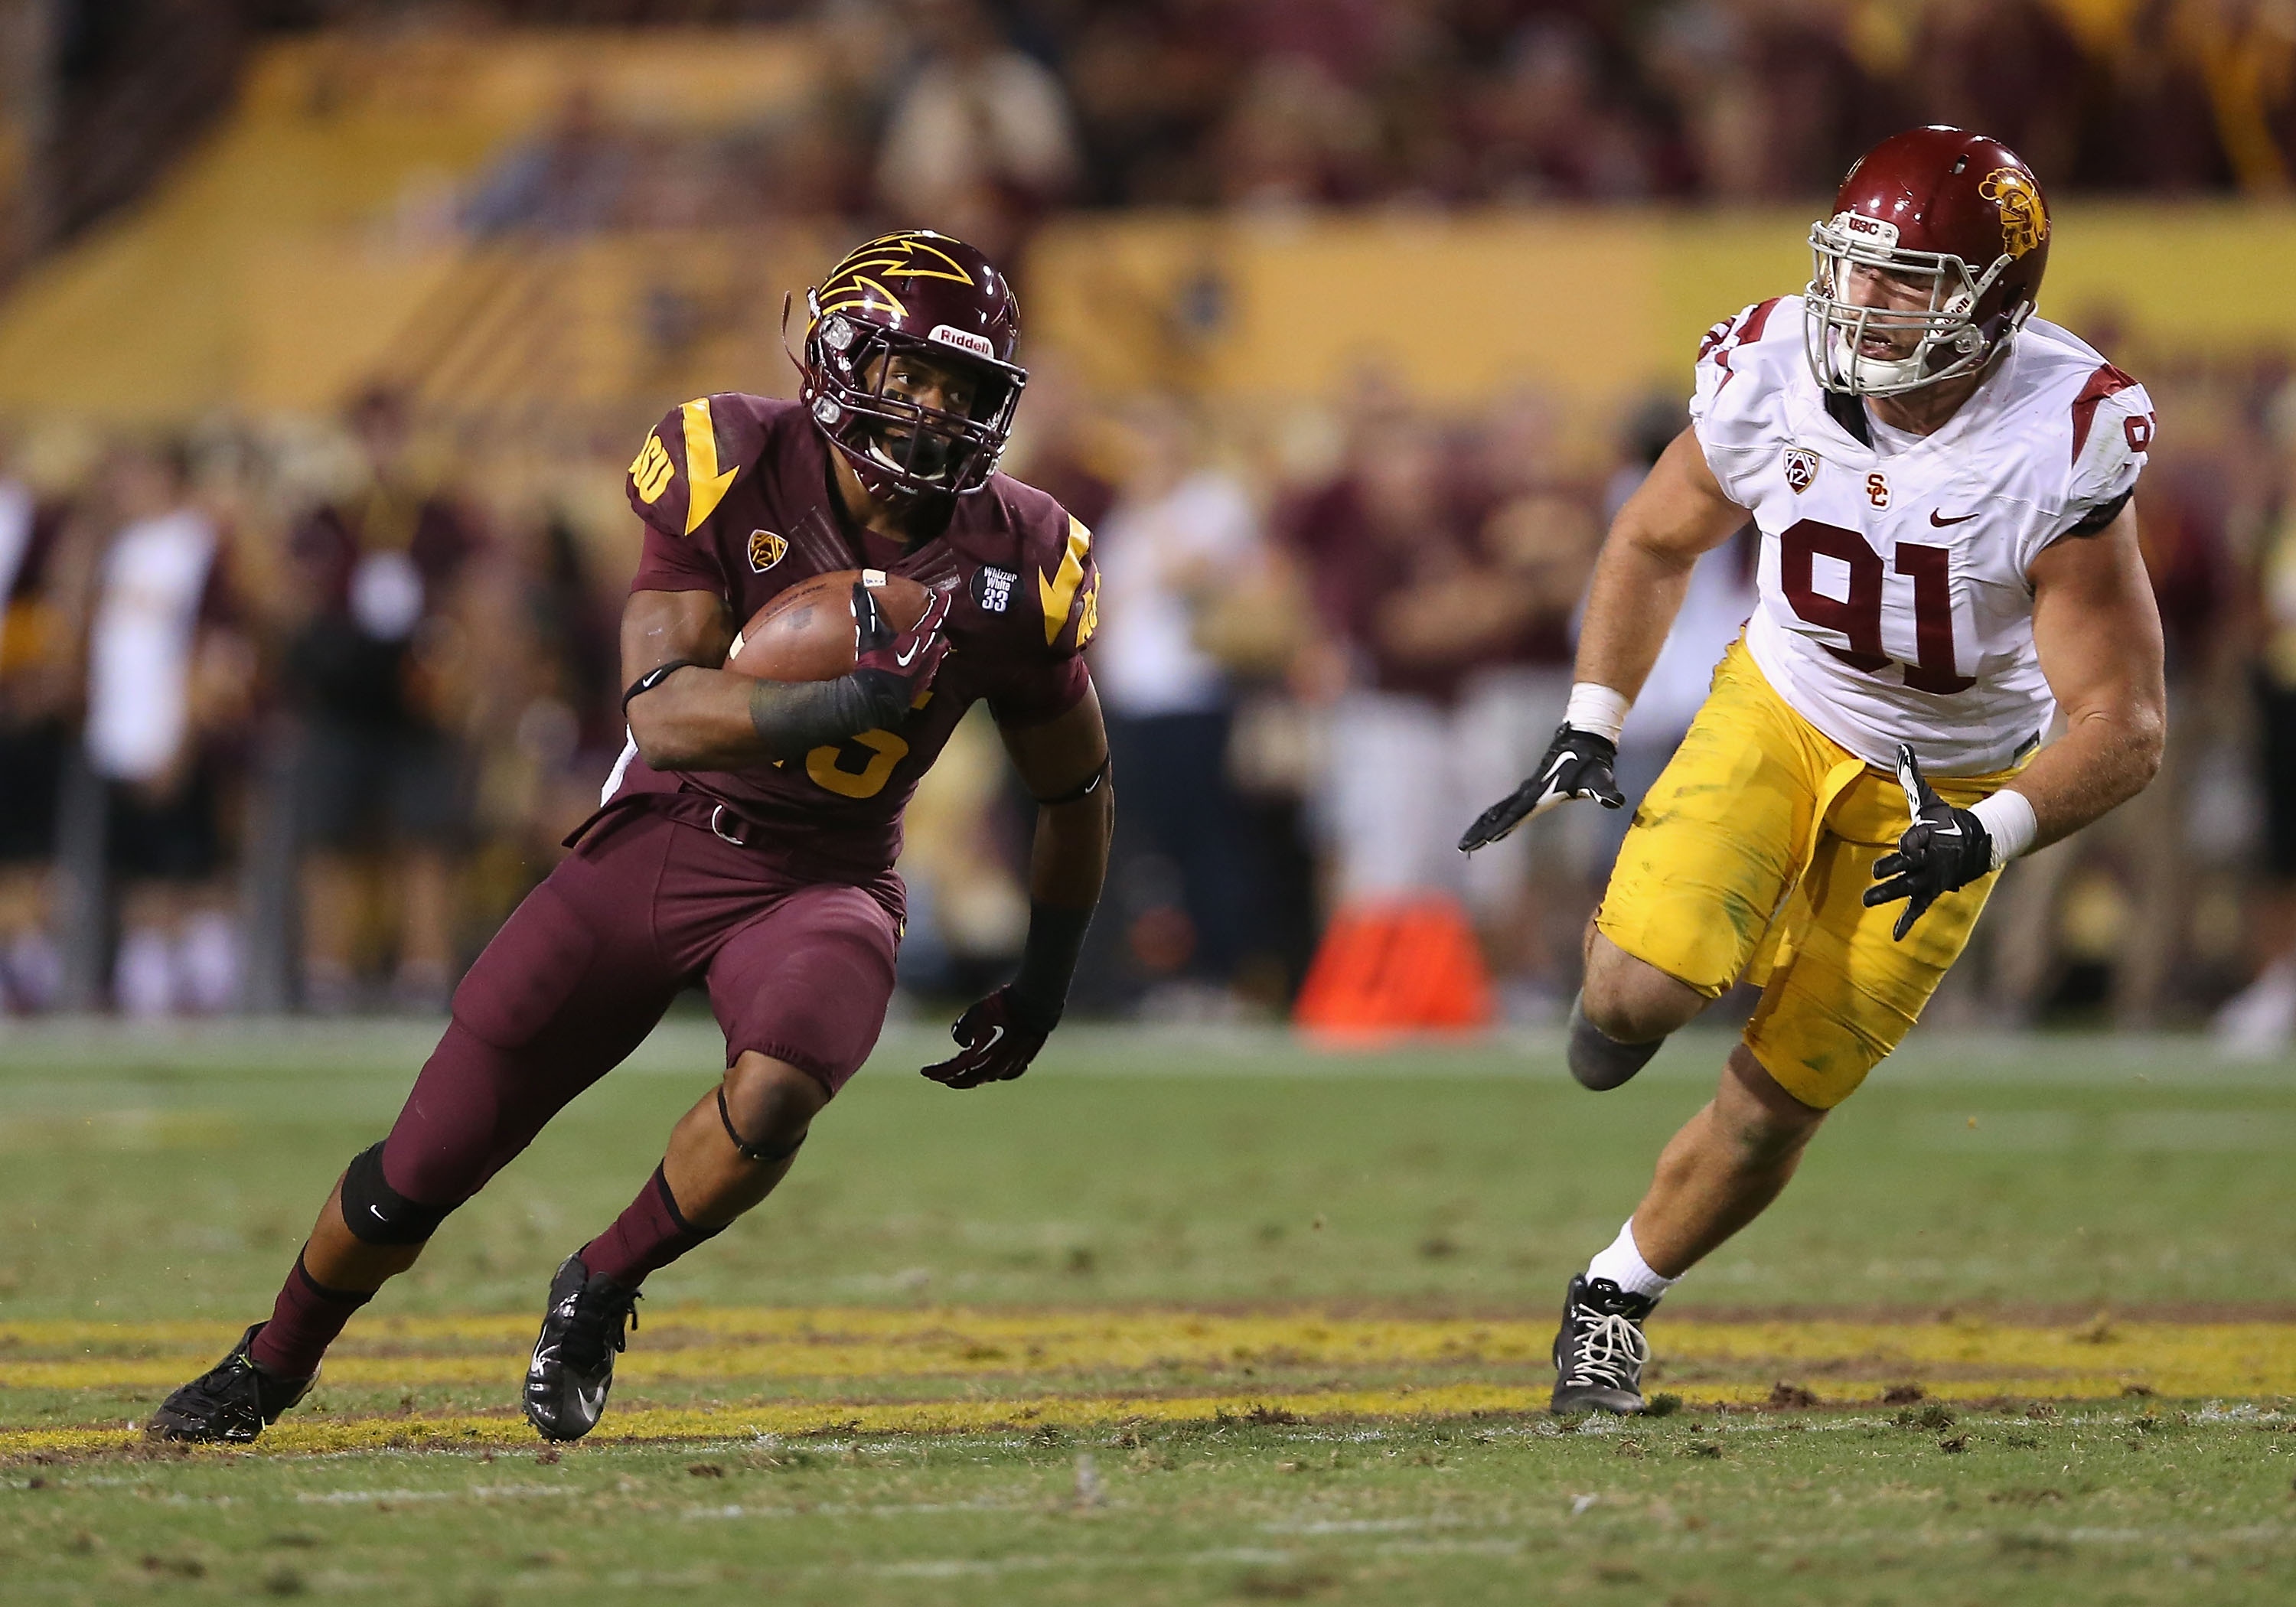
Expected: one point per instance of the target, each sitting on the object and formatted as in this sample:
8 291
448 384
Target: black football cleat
230 1403
1600 1350
573 1364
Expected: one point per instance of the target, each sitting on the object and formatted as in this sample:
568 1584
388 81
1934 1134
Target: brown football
806 634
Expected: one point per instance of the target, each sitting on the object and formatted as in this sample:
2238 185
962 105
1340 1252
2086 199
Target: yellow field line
852 1344
783 1418
867 1353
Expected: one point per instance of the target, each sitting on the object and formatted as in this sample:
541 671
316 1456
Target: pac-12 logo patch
1801 468
992 588
766 549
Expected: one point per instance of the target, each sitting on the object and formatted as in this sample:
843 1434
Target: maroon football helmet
1955 209
925 295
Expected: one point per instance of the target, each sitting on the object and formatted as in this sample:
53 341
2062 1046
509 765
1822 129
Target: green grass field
1182 1318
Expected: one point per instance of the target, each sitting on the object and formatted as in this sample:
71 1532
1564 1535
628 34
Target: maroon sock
648 1235
304 1321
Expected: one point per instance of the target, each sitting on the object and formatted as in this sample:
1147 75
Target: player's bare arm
1063 764
1678 513
2098 635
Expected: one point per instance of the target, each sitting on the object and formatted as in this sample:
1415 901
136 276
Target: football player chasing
1941 483
747 837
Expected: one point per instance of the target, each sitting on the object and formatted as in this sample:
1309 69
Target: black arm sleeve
792 717
1055 940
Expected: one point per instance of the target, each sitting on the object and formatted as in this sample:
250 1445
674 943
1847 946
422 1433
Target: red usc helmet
1956 209
925 295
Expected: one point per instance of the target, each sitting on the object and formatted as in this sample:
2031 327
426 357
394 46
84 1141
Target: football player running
1941 483
746 838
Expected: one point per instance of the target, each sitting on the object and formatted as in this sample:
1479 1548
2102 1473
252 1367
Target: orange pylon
1387 967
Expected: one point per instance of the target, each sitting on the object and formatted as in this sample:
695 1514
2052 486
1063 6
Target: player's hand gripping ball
1578 763
835 624
995 1041
1945 849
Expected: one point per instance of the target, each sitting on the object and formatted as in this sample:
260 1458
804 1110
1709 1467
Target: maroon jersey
735 495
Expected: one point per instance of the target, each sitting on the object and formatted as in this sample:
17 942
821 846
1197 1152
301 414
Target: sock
649 1235
304 1321
1624 1266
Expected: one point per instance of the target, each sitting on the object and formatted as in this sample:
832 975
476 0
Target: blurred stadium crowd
985 112
292 713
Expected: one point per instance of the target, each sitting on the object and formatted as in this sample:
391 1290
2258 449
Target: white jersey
1896 603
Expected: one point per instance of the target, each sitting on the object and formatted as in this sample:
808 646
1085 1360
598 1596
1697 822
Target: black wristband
652 678
792 717
1040 989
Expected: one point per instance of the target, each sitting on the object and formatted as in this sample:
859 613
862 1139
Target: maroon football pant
798 967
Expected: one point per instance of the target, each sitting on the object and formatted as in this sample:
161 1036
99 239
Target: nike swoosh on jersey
1957 519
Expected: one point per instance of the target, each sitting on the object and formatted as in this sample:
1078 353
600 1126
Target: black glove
1945 849
1577 765
893 666
997 1040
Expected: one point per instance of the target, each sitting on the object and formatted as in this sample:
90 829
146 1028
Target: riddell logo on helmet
963 340
2024 220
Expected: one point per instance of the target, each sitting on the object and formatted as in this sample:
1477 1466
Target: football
806 633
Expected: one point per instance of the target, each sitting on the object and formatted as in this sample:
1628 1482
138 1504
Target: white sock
1624 1266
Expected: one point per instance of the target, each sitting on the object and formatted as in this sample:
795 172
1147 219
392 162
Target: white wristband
2008 821
1598 708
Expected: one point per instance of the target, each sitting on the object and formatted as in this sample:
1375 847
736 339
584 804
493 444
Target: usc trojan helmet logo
2024 220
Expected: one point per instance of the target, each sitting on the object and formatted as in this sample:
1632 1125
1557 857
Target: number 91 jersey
1896 600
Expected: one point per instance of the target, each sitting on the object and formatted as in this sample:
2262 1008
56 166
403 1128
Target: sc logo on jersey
1801 469
992 588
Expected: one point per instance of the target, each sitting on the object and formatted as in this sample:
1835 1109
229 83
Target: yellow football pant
1750 856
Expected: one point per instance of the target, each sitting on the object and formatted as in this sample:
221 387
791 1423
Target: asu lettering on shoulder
655 471
1057 591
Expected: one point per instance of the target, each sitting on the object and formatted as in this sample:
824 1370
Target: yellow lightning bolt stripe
909 255
859 292
1056 592
705 487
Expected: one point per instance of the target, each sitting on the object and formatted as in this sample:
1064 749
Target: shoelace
592 1325
1608 1351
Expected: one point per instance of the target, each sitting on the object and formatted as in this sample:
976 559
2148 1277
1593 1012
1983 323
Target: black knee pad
1599 1060
379 1214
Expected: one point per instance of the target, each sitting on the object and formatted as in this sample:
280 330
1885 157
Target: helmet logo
766 550
963 340
2024 220
855 283
1880 231
1801 469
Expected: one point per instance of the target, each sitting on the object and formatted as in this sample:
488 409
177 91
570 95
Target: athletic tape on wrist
2007 817
1598 708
